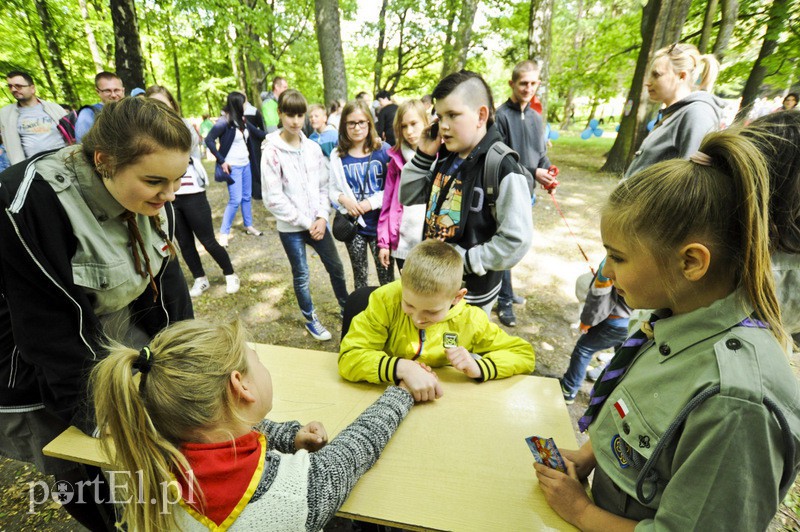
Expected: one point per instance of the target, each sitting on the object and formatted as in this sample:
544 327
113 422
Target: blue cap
137 91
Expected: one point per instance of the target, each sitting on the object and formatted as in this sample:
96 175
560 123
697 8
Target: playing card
545 452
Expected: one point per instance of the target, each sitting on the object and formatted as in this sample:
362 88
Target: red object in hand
553 170
552 186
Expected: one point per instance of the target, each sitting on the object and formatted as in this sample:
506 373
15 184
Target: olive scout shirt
723 469
103 262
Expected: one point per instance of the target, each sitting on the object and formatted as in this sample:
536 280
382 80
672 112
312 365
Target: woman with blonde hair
680 78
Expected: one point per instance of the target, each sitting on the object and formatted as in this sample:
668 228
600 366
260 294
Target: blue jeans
607 333
295 246
238 194
506 295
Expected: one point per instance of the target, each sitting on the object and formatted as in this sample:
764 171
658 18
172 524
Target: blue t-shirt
364 183
327 140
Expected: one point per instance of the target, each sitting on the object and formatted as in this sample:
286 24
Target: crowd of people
697 293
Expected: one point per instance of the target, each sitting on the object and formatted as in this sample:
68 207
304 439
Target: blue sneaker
317 330
569 397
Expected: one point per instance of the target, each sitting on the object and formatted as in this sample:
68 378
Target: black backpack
491 172
66 125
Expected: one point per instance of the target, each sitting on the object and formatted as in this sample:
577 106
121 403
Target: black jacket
50 337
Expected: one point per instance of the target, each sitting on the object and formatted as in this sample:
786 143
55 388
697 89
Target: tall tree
381 46
127 50
456 60
90 38
708 25
539 43
329 39
730 10
55 51
776 21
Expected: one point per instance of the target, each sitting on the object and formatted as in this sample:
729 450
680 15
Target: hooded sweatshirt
679 132
295 182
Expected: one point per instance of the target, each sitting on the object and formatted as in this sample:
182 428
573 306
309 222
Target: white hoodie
294 182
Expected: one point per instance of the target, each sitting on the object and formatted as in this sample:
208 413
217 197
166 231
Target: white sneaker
317 330
200 285
232 282
223 240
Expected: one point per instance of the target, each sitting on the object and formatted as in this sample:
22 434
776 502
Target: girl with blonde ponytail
682 79
184 418
694 423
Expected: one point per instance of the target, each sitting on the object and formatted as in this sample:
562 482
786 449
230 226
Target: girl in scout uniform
86 254
694 423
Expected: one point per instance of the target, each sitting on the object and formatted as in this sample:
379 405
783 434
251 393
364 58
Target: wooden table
459 463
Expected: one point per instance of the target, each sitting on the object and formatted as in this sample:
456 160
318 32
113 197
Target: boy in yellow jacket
421 321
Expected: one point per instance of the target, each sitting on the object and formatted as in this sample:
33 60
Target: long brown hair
372 142
160 89
144 420
409 106
724 206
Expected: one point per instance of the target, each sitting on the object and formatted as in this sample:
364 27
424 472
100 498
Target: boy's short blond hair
433 268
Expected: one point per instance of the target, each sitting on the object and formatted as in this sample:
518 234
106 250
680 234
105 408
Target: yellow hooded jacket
383 334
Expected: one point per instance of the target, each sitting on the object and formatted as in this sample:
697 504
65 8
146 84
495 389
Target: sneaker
223 240
518 300
232 282
594 373
506 315
569 398
250 230
317 330
200 285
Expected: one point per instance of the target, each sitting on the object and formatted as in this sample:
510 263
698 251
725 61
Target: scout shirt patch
622 408
621 450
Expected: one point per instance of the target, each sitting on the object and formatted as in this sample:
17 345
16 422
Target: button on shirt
37 131
103 261
723 468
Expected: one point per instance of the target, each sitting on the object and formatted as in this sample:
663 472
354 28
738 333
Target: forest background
594 53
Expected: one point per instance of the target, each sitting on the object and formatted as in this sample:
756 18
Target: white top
238 154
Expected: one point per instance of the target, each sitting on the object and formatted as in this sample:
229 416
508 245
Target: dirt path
266 303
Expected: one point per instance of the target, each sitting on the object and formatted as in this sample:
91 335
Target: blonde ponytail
143 422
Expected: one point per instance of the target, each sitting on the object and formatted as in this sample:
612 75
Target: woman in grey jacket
690 110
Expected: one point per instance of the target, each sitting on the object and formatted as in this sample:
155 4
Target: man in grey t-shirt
29 127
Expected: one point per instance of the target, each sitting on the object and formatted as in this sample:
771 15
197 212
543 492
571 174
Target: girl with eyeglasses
680 78
358 177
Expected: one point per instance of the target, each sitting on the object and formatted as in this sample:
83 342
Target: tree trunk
55 51
778 14
464 35
244 84
567 105
730 10
90 38
447 50
329 39
128 50
708 25
37 46
381 47
595 103
539 42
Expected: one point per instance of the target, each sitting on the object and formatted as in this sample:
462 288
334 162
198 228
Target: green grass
571 150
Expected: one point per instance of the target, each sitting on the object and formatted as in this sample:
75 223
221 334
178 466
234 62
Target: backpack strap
495 155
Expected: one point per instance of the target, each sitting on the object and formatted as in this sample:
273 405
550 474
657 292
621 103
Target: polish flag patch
622 408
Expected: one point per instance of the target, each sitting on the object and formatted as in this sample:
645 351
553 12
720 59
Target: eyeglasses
16 87
111 91
357 125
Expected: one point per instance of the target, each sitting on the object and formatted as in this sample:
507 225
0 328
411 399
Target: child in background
421 321
197 415
324 134
777 136
358 175
400 228
490 238
694 424
604 324
295 179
